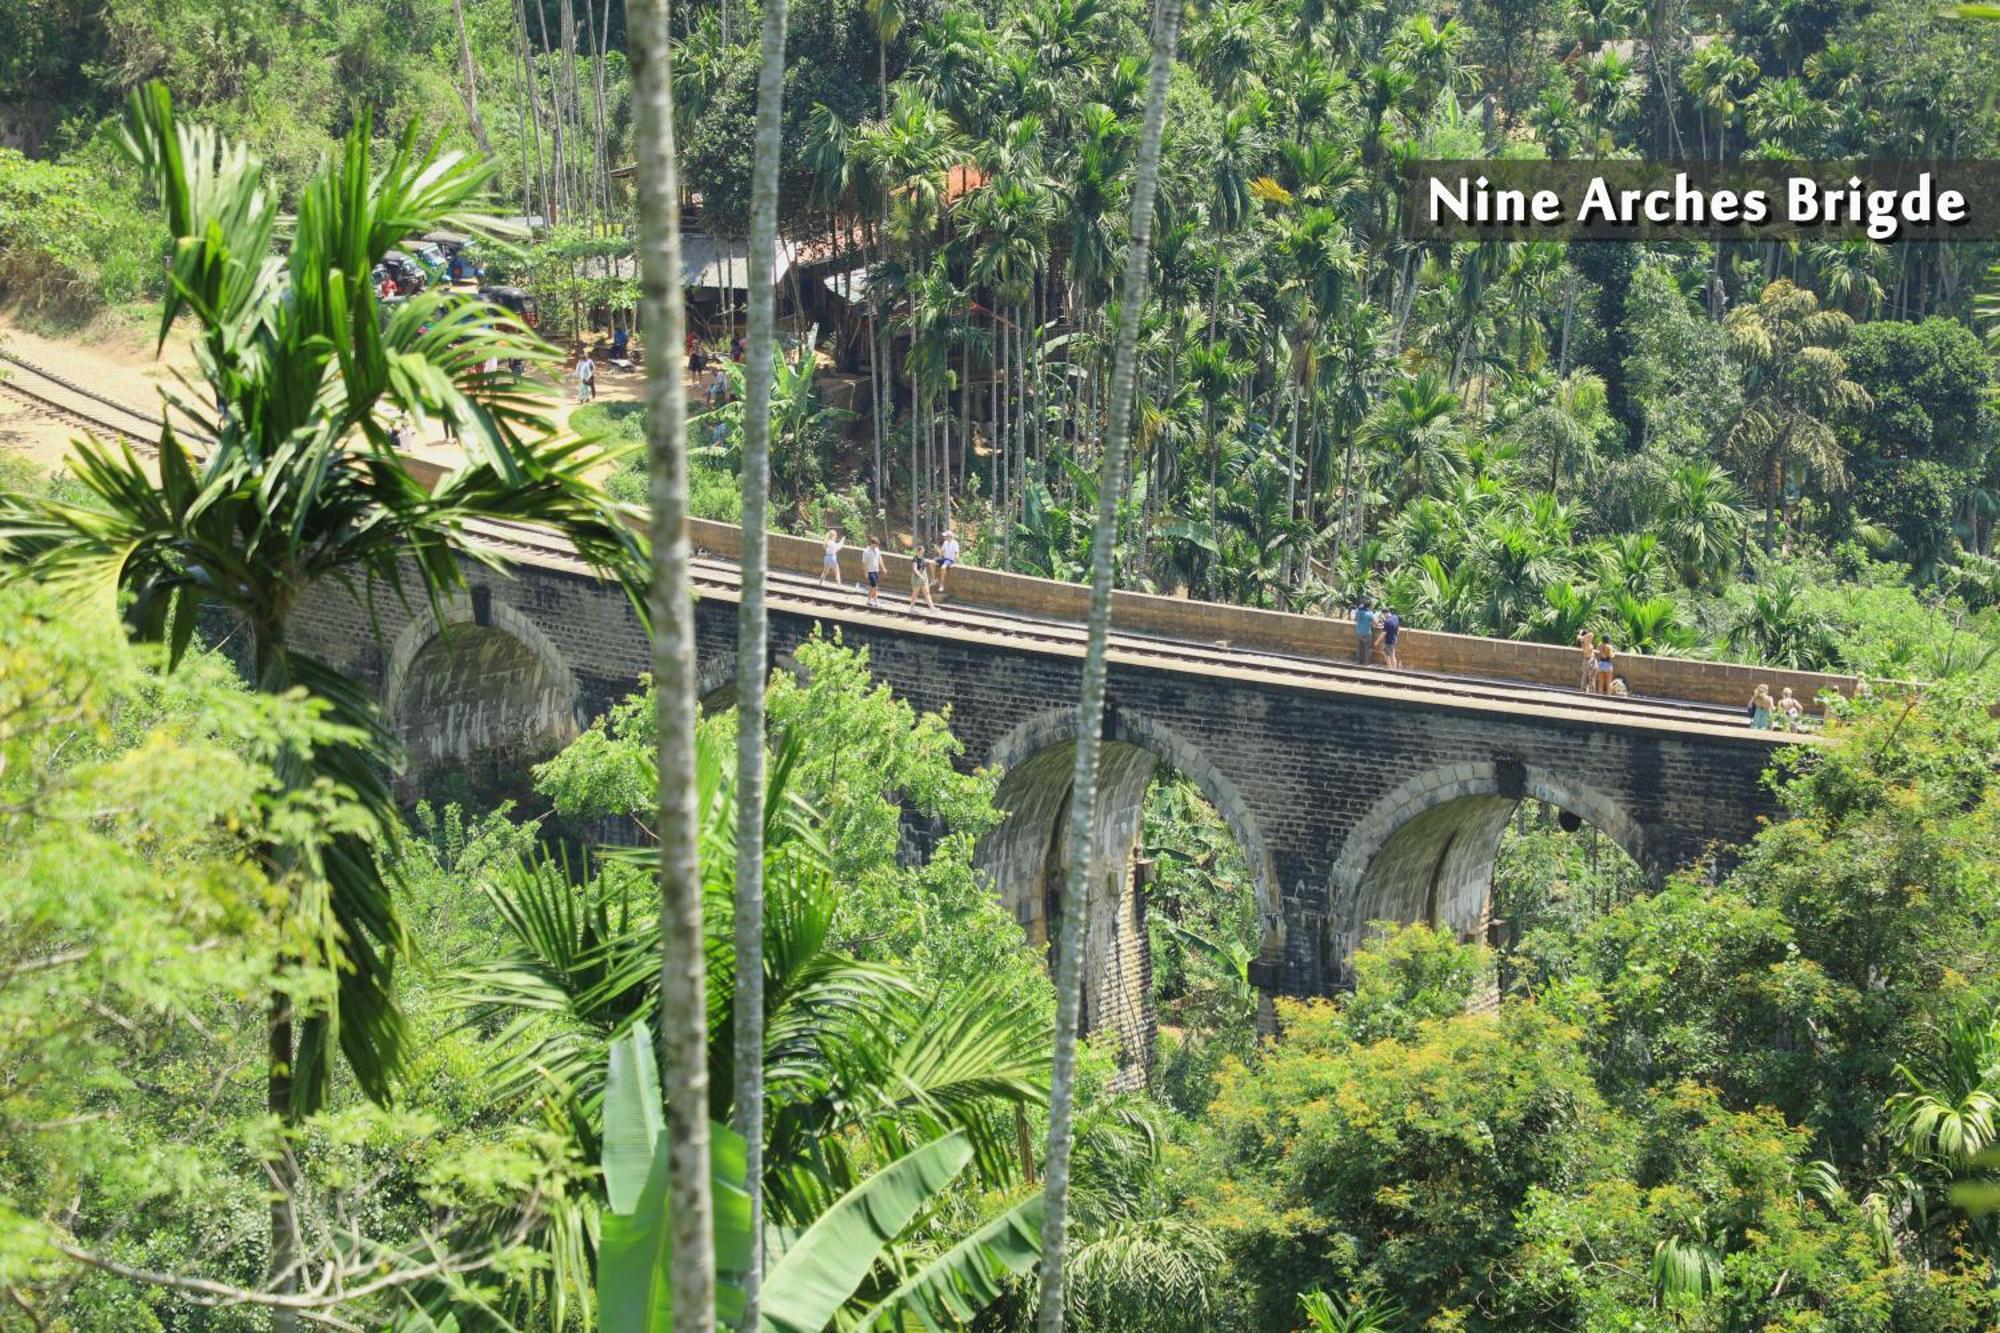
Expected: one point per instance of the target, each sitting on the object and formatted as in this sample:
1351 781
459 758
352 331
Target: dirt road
119 365
122 366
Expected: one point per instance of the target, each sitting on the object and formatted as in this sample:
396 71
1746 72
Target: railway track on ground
56 396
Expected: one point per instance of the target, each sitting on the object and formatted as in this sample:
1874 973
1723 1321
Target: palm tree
683 1009
885 19
1850 274
864 1062
1412 429
1433 55
1702 523
1356 1313
1717 76
1949 1112
1778 628
753 635
1797 392
301 485
1090 704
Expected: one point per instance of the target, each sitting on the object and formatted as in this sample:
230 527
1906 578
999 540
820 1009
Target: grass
713 492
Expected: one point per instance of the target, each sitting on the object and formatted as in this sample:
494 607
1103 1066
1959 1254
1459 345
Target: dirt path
119 364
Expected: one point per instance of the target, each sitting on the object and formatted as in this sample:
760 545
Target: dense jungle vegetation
284 1044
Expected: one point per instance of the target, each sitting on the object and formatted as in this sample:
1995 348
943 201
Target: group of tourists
929 566
1785 712
1376 630
1600 665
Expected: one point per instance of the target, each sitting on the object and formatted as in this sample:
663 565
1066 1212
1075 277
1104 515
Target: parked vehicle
514 299
432 259
408 273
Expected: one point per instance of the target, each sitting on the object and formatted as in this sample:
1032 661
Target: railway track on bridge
56 396
802 595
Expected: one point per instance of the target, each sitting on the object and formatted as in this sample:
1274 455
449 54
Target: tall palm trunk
268 665
531 90
683 982
558 160
752 637
1090 704
471 83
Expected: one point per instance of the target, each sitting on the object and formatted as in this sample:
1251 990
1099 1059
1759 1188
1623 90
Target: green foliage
69 245
816 1271
1203 927
1409 976
1398 1165
713 491
134 920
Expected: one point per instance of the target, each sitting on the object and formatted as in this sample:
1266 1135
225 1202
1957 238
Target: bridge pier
1028 859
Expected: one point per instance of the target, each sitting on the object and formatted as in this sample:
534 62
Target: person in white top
829 565
871 569
947 557
1791 709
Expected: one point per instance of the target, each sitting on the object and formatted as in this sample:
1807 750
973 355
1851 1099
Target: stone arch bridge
1357 795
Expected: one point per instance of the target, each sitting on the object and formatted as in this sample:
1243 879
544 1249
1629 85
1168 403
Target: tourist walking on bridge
1364 633
871 569
829 563
920 579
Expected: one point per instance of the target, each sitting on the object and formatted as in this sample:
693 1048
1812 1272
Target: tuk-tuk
432 260
408 273
514 299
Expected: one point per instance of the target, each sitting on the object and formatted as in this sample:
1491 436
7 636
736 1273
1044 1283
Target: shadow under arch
1055 728
475 676
1425 851
1027 855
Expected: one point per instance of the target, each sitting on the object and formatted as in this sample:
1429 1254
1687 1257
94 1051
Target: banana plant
840 1270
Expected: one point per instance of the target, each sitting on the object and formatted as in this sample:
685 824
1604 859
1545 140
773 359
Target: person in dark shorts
1606 663
920 579
871 569
947 557
1392 625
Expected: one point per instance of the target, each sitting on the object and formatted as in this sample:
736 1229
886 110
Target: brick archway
1425 850
1053 727
1028 856
476 674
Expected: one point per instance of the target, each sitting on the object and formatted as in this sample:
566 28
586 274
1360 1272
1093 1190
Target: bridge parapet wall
1329 638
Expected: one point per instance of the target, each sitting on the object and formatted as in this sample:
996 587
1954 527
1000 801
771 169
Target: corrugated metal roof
711 261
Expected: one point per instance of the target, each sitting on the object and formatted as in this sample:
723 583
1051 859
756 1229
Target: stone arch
1028 855
715 678
476 675
1050 728
1425 850
715 684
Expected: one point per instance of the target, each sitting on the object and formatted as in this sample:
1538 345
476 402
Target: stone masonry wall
1315 782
